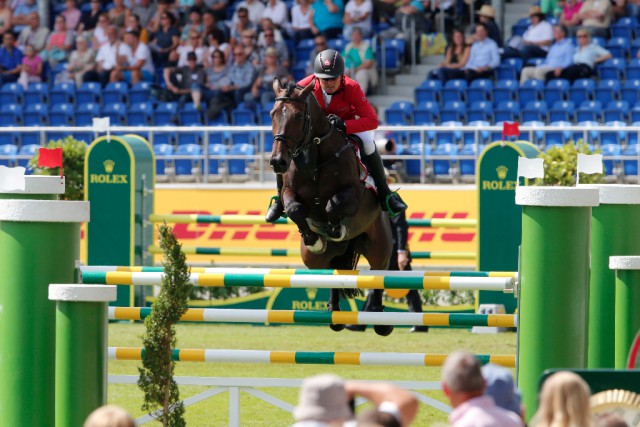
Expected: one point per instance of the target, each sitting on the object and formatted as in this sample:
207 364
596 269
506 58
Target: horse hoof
383 330
318 247
337 328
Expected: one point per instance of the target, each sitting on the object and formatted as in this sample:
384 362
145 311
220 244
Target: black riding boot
390 201
276 210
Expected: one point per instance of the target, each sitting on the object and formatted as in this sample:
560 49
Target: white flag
12 178
101 124
530 168
590 163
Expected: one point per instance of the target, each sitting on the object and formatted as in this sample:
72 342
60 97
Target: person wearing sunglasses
342 99
586 56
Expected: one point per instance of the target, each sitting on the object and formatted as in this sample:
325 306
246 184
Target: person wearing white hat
487 15
535 41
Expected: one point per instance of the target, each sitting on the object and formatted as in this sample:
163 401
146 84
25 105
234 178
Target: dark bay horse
338 218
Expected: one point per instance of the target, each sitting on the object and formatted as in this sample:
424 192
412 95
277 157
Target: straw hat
535 10
487 11
322 398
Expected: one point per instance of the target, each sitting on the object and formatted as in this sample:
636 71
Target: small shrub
561 165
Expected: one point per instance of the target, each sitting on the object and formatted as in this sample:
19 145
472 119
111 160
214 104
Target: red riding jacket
347 103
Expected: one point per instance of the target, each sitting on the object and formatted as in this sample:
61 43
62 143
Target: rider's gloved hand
337 123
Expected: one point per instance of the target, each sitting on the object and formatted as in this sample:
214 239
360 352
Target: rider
342 99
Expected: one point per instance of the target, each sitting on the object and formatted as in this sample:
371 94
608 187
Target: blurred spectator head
239 55
82 43
322 398
559 32
248 38
8 40
269 37
462 377
103 20
194 38
195 15
243 15
457 37
132 37
109 416
208 18
70 4
375 418
29 50
500 386
564 400
536 15
321 43
218 57
192 60
486 13
95 5
34 20
584 37
356 35
112 34
267 24
609 419
167 19
481 31
60 24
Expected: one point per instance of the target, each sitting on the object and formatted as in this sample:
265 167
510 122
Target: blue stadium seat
140 92
8 151
36 93
484 136
562 111
299 70
27 150
220 120
509 69
632 137
116 92
168 138
89 92
617 137
633 69
607 90
480 110
589 111
141 114
631 92
505 90
215 164
625 27
185 167
10 115
191 116
190 138
619 47
442 168
451 137
36 115
392 60
480 90
413 166
616 111
453 111
426 112
582 90
535 111
556 90
247 137
11 93
337 44
63 93
454 90
117 113
613 68
634 114
243 117
86 112
399 113
611 154
468 166
265 114
536 136
428 91
304 49
162 150
240 168
164 113
559 137
630 167
531 90
62 115
86 137
592 135
507 111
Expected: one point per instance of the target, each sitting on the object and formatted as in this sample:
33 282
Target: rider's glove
337 123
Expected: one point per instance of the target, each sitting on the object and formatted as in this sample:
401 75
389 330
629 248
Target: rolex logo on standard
109 165
502 171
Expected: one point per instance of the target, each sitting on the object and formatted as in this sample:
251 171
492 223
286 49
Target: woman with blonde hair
564 402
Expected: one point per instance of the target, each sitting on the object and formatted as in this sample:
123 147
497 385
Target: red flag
510 129
50 158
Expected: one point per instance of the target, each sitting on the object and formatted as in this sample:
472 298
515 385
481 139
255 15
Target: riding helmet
329 64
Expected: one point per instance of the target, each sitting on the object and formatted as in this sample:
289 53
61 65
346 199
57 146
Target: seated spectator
320 45
71 15
262 88
211 25
357 14
31 68
133 24
266 24
254 8
165 41
164 7
410 14
251 50
6 16
560 56
110 55
10 60
300 24
139 65
564 400
455 56
89 19
595 16
500 386
277 12
118 14
195 23
243 24
241 75
279 47
486 16
81 60
100 36
483 59
326 18
109 416
34 34
550 7
216 42
144 10
584 60
59 43
569 16
464 385
20 16
535 41
216 79
182 82
360 61
192 45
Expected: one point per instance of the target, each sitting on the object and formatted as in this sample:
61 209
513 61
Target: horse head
291 121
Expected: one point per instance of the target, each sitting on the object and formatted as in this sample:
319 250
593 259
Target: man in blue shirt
483 59
560 56
10 60
326 18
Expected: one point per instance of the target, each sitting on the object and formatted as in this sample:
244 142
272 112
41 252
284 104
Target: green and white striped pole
615 230
81 350
39 245
627 307
554 282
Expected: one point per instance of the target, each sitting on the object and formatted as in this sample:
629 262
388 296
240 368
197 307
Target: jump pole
39 244
615 230
554 282
81 350
627 305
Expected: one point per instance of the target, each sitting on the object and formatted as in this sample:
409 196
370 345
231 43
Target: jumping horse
337 217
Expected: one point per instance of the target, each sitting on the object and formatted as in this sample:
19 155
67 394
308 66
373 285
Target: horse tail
348 260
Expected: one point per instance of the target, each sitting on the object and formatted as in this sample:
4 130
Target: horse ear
308 88
277 85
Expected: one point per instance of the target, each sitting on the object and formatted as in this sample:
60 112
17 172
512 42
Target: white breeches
367 141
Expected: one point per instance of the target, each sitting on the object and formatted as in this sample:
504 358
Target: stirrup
392 213
272 201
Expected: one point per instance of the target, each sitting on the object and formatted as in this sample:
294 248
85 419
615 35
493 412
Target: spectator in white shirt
535 41
139 66
110 55
255 9
357 13
277 11
192 45
300 20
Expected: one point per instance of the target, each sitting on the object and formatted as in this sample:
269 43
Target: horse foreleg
343 204
298 213
334 305
376 306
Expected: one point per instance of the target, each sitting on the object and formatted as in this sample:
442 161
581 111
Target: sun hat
500 386
322 398
487 11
